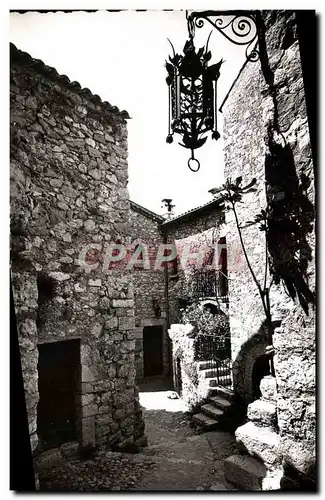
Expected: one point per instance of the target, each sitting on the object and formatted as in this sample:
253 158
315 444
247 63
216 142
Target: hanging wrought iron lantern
192 97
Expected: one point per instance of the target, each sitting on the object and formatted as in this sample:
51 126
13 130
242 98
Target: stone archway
244 374
213 305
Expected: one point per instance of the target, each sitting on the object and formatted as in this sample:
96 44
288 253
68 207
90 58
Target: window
223 272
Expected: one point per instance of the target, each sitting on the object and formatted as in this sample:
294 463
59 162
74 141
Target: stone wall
188 378
259 435
149 283
274 94
26 303
69 190
199 230
150 280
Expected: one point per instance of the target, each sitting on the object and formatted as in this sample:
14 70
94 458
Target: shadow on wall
290 221
290 212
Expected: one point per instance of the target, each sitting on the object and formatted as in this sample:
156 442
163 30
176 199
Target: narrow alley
176 458
163 238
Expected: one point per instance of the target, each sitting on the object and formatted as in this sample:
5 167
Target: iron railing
216 355
209 284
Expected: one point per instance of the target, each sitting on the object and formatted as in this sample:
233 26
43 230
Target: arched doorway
211 307
261 368
250 366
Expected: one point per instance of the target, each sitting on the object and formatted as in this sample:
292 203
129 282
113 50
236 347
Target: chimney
169 214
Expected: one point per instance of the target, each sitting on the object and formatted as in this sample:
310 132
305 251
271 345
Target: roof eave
146 211
25 59
195 212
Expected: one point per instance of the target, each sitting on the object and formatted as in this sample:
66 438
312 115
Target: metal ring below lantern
194 160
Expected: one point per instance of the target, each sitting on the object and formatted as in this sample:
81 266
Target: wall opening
152 351
223 267
59 386
178 376
211 307
261 368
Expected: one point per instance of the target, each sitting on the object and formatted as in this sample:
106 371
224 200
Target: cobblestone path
176 459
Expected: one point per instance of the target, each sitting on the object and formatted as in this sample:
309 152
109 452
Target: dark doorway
261 368
58 380
212 308
223 267
152 351
178 377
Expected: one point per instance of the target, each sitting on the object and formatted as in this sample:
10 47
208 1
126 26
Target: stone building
73 142
75 313
152 353
194 279
196 235
188 245
267 137
162 289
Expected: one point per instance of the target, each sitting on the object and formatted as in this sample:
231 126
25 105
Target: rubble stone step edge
245 472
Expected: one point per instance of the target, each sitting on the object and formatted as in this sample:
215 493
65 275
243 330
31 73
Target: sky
120 56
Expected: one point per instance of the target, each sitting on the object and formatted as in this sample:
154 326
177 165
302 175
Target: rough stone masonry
69 190
149 284
259 98
199 228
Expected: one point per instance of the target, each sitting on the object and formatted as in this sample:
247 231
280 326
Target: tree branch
262 293
266 264
244 249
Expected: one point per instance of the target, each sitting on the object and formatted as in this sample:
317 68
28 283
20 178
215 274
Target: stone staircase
258 467
219 402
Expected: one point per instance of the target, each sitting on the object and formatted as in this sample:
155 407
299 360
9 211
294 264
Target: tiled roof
195 211
40 67
145 211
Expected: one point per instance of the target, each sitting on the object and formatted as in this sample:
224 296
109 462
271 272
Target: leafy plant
206 323
286 221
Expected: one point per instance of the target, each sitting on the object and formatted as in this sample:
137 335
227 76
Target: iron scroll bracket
239 27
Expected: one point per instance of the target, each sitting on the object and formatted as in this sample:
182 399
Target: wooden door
58 375
152 351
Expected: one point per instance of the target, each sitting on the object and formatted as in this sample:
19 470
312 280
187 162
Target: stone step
262 442
205 422
223 392
205 365
69 449
225 381
212 411
213 373
268 388
209 365
245 472
262 413
220 402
